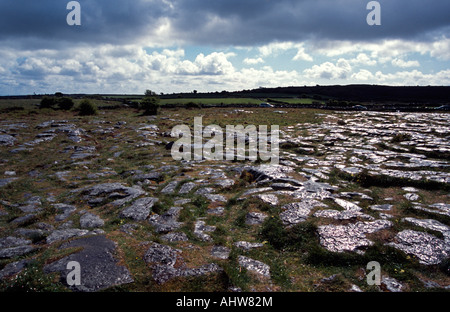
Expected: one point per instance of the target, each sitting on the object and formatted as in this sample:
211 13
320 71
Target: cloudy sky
213 45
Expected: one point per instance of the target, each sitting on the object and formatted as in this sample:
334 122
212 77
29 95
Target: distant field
211 101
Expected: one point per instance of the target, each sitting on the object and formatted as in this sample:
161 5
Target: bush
191 105
87 108
47 102
65 103
150 105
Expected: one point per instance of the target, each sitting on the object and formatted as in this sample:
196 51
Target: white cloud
385 50
273 49
330 71
253 61
363 59
404 64
362 75
302 55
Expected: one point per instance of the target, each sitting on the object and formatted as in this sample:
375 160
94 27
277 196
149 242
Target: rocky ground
351 187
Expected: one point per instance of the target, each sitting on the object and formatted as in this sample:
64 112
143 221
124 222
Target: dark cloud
219 22
41 23
262 21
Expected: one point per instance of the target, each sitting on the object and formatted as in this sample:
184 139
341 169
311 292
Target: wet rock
255 218
351 237
90 221
99 268
220 252
426 247
254 266
140 209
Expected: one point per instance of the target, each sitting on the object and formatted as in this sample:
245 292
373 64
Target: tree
150 93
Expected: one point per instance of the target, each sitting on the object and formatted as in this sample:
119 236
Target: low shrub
65 103
87 108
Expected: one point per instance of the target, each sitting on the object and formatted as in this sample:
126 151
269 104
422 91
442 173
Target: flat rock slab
7 140
140 209
12 252
351 237
90 221
13 268
426 247
99 267
163 258
122 194
294 213
247 245
59 235
6 181
254 266
167 222
220 252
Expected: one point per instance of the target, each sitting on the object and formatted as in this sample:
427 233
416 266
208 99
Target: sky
167 46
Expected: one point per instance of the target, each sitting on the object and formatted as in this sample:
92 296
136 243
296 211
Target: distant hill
364 93
356 93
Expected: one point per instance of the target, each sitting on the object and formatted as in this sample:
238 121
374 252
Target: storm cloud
219 22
